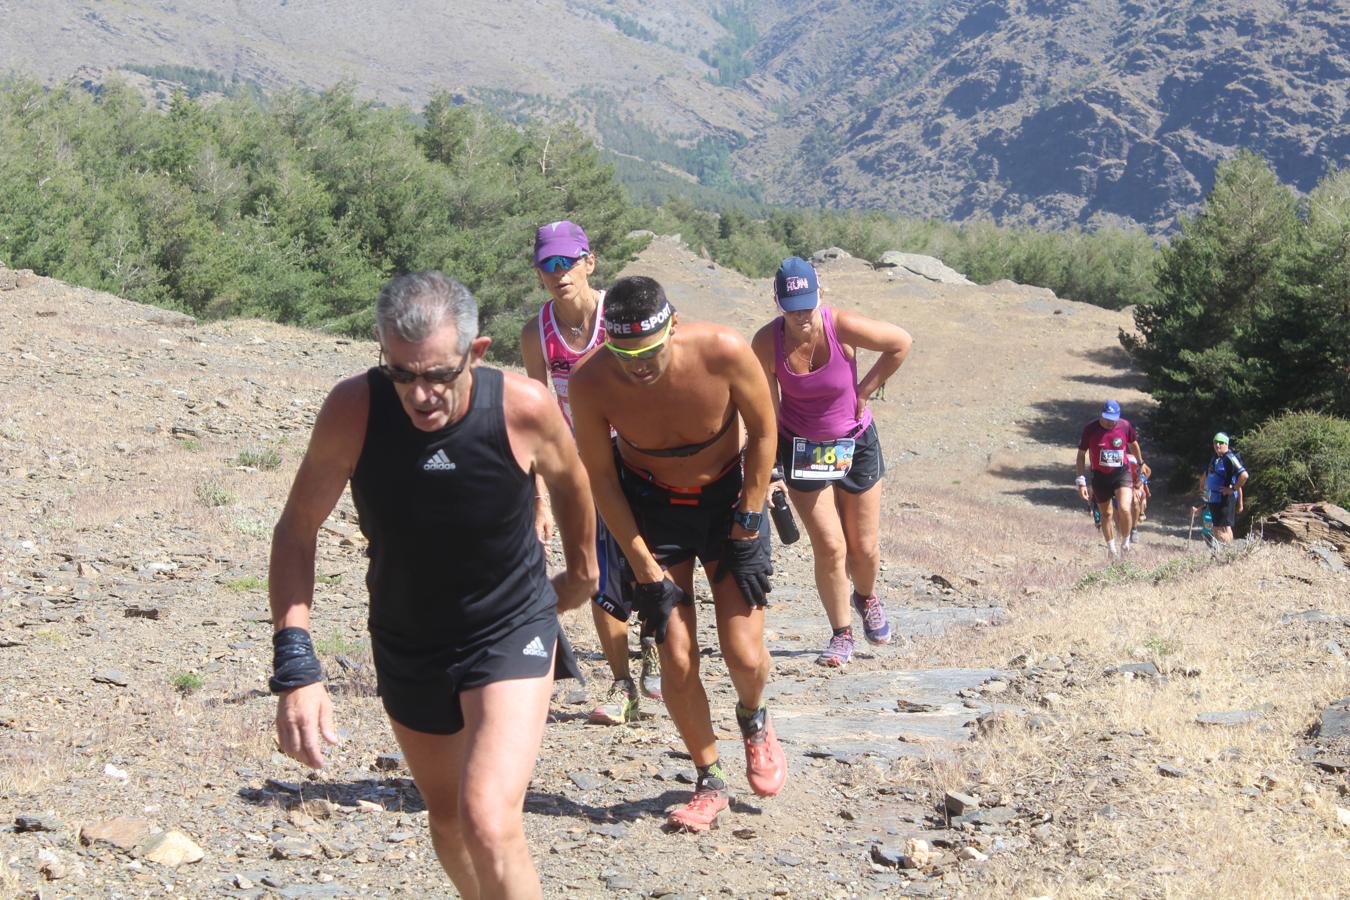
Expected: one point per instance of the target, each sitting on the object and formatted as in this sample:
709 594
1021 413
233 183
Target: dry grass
32 762
10 882
1202 834
986 542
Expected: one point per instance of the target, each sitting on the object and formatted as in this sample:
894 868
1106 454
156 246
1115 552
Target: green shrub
1298 457
186 682
213 495
1251 315
336 644
266 459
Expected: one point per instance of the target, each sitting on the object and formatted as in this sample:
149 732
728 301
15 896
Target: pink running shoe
765 762
700 814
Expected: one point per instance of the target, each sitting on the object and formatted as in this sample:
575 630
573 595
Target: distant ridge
1021 110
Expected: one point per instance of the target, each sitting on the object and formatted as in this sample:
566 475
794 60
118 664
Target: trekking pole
1190 532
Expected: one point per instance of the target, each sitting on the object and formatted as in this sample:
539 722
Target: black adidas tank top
450 519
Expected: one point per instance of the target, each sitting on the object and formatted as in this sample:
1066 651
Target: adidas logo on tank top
438 462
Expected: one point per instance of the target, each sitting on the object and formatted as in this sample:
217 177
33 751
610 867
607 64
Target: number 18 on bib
821 460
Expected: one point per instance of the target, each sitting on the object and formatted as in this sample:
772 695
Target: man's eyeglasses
554 264
434 377
646 352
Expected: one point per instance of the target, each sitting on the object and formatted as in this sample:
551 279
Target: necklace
573 331
811 358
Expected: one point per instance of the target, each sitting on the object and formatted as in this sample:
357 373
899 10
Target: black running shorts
1224 512
420 685
679 524
1105 484
867 468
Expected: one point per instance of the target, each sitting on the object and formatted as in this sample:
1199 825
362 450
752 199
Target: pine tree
1213 281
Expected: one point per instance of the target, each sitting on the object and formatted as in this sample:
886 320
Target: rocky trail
144 458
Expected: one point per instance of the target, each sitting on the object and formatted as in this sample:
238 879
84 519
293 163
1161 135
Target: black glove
750 565
654 603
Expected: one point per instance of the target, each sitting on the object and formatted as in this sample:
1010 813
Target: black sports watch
750 521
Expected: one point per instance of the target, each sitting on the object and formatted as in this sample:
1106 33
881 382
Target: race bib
821 460
1111 459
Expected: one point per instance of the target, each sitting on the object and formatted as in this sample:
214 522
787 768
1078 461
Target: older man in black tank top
676 487
441 456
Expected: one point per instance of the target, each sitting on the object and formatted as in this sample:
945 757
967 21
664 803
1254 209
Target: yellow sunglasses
646 352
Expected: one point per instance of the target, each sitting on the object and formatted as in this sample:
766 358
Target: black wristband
294 663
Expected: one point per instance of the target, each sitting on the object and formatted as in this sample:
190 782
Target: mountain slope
1029 111
1020 110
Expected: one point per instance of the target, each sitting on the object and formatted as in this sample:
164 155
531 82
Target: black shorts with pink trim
679 523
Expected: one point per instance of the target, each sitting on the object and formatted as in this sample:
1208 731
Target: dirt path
144 458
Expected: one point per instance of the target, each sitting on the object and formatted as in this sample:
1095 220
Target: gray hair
413 306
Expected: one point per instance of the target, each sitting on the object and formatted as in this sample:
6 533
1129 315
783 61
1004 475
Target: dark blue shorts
615 592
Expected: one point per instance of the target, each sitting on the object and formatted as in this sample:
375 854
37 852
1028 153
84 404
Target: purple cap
1110 410
795 286
561 238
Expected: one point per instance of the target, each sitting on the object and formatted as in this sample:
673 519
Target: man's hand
304 715
572 592
654 603
750 566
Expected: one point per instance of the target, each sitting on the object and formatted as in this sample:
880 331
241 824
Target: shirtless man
676 486
441 453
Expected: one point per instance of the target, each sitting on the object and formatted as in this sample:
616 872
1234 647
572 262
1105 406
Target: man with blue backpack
1224 479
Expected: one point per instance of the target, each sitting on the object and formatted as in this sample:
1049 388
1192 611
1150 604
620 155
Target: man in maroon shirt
1104 445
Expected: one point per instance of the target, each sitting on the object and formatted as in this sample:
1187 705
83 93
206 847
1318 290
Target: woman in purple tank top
827 443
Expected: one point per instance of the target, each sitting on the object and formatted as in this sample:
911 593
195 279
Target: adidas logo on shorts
438 462
535 648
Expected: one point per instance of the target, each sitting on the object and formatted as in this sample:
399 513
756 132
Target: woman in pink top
569 326
827 444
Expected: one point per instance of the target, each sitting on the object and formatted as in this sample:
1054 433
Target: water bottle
783 522
1208 522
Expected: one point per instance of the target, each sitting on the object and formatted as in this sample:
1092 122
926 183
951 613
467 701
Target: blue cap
795 286
1110 410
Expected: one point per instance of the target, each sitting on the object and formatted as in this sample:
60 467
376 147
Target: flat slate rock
1334 724
38 822
586 781
999 815
1138 670
1231 718
1311 617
